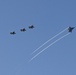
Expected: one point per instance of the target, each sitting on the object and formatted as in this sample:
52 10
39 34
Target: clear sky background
49 18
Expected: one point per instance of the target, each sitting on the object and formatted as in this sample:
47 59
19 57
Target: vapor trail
49 40
49 46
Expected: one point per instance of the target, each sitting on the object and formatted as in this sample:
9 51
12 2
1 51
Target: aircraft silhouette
22 30
31 27
12 33
70 29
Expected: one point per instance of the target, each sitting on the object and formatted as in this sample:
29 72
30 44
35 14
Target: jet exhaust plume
49 46
49 40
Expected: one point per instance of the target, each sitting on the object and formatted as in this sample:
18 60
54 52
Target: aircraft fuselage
70 29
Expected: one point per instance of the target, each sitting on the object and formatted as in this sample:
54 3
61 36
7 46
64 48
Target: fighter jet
22 30
12 33
70 29
31 27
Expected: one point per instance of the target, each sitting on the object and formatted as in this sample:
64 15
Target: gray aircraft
31 27
22 30
13 32
70 29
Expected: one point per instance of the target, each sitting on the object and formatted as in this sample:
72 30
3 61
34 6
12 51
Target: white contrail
49 46
49 40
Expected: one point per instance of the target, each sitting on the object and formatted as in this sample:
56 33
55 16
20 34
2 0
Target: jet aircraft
22 30
70 29
31 27
12 33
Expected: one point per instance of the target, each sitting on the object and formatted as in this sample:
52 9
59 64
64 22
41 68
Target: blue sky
49 18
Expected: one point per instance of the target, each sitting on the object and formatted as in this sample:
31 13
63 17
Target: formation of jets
22 30
31 27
